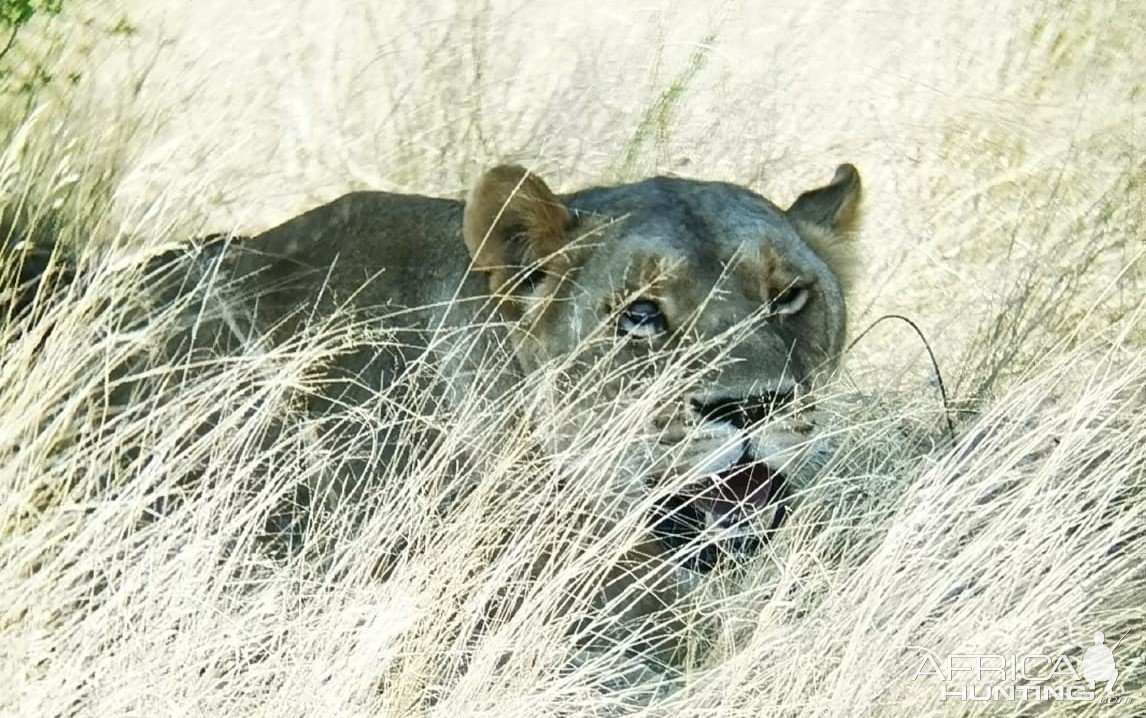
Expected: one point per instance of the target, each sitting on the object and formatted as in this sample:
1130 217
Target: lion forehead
690 203
696 223
698 229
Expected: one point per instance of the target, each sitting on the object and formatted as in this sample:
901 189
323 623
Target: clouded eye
790 300
643 319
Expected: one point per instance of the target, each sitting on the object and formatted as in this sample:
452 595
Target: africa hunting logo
1033 677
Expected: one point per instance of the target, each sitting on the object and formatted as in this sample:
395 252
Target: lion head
709 276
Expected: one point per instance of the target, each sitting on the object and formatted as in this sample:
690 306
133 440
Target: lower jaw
681 525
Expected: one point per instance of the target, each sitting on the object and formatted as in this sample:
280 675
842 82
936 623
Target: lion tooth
723 460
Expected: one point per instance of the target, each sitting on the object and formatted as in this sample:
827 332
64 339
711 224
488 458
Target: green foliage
657 120
123 27
14 15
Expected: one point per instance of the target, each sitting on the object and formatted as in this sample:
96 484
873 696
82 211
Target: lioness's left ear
513 222
833 207
827 217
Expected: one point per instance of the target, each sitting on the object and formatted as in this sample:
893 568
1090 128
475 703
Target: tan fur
828 218
836 248
508 207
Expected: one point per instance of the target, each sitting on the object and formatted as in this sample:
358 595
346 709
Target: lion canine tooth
722 461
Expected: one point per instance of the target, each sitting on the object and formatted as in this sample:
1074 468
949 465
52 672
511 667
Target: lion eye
642 319
790 300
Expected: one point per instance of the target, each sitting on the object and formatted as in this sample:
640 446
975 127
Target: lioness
604 282
614 277
660 265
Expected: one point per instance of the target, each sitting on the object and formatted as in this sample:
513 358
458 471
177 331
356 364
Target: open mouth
712 518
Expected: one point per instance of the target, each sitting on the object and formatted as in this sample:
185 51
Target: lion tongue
736 492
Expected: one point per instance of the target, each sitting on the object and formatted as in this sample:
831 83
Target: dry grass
1002 148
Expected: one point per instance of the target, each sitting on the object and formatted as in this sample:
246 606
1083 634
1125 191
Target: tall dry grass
1002 149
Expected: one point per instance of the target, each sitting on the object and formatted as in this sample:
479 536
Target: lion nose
744 412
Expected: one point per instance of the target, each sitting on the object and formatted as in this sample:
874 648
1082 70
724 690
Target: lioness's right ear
513 223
